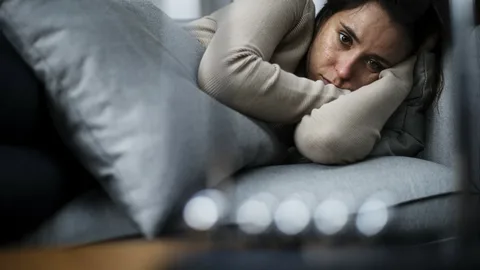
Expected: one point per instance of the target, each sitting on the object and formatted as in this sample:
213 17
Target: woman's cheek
324 62
322 56
330 49
372 77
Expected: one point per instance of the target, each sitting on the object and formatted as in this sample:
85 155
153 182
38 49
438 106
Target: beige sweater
253 48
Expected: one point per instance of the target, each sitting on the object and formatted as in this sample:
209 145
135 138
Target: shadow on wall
189 9
192 9
319 4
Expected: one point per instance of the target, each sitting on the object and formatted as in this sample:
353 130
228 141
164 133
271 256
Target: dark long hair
420 19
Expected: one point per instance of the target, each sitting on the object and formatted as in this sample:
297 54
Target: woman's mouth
325 81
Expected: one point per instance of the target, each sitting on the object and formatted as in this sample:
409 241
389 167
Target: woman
337 77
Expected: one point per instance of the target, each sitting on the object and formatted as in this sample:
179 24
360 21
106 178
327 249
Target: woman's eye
374 66
345 39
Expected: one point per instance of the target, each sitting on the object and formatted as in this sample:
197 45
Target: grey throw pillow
121 80
404 132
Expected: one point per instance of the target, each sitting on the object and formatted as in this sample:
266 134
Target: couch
78 211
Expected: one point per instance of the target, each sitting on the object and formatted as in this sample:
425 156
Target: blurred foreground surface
130 255
201 255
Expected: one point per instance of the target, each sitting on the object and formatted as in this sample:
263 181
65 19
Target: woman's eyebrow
350 32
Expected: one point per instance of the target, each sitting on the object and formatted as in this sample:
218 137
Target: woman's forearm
264 91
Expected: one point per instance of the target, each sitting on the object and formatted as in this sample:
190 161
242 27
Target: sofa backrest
442 126
441 143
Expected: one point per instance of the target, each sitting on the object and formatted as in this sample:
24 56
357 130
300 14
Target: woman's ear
429 43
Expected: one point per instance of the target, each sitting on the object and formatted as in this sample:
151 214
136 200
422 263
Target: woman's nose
345 67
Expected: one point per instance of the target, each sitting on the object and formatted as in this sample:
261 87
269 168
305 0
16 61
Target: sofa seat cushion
410 181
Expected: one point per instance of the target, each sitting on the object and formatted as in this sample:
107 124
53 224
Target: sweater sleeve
235 68
346 130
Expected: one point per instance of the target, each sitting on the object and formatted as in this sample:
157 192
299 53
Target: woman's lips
325 81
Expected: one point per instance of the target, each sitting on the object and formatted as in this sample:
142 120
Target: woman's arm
236 67
345 130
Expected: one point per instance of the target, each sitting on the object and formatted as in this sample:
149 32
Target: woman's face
354 46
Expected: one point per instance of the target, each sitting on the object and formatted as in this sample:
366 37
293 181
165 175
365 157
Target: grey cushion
440 136
121 79
442 126
432 215
89 218
410 180
404 132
